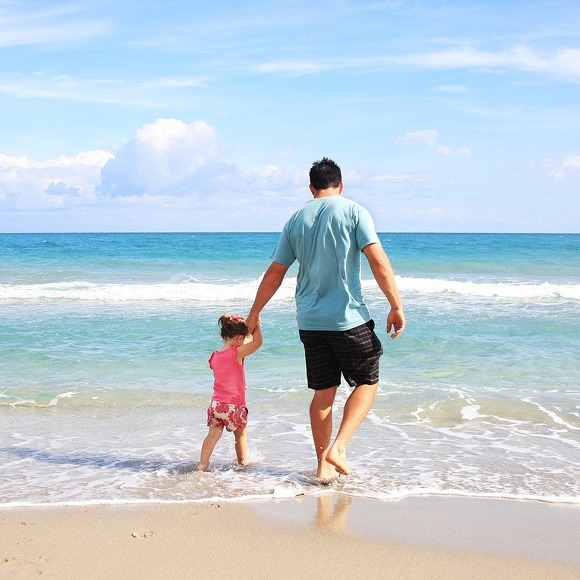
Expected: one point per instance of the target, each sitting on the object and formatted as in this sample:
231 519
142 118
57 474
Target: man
327 237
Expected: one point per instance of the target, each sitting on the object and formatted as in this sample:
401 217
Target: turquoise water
104 382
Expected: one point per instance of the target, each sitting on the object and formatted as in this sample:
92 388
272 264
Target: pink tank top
229 377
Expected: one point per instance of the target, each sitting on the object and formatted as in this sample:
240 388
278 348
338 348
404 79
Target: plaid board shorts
354 353
232 417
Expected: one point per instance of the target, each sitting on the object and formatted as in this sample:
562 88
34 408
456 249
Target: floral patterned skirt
232 417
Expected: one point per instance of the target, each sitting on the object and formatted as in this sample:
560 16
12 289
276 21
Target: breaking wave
246 290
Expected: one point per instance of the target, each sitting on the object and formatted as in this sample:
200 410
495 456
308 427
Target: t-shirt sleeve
365 232
284 254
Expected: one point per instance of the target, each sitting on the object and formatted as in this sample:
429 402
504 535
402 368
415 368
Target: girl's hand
253 345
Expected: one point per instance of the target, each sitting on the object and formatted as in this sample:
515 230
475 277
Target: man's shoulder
350 209
353 203
325 208
347 203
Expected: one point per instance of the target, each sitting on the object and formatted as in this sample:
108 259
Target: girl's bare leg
241 436
356 408
321 423
208 446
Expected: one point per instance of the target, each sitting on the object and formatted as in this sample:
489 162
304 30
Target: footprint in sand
143 535
21 568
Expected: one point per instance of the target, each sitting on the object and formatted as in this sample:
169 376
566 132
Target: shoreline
329 535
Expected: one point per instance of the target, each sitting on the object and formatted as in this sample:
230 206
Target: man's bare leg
321 423
356 409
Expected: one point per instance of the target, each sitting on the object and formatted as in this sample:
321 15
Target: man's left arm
385 277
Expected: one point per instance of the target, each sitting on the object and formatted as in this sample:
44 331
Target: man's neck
328 192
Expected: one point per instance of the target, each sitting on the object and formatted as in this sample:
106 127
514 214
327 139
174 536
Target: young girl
228 404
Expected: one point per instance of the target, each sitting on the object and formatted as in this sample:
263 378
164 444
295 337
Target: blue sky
205 116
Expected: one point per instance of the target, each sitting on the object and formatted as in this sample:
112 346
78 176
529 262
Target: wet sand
328 536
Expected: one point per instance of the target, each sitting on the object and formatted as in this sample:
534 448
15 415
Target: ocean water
104 381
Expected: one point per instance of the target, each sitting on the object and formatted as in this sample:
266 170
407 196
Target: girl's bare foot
201 467
337 458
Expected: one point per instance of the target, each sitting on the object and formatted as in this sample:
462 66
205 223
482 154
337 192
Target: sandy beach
329 536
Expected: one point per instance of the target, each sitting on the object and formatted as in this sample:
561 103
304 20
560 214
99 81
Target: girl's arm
251 347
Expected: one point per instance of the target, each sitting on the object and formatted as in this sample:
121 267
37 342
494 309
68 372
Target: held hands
252 321
395 322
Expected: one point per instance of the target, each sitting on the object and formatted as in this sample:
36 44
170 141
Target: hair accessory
236 317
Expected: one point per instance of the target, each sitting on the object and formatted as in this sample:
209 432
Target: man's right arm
269 285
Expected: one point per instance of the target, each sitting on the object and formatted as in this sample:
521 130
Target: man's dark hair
324 174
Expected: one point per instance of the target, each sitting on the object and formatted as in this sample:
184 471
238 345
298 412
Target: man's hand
396 322
252 321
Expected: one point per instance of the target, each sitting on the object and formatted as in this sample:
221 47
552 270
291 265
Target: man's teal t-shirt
327 237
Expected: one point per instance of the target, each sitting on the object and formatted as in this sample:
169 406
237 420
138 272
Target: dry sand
330 536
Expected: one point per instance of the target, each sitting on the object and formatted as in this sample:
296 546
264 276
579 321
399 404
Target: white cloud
147 93
170 176
297 67
22 24
563 63
165 157
172 158
424 138
28 183
174 176
569 166
456 89
429 139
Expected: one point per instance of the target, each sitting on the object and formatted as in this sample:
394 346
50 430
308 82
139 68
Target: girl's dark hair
232 325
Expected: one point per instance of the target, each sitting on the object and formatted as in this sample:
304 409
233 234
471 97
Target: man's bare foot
201 467
338 460
326 473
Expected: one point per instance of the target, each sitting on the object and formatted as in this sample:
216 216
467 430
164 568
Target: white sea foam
552 415
142 454
288 489
246 290
511 290
470 412
185 291
67 395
